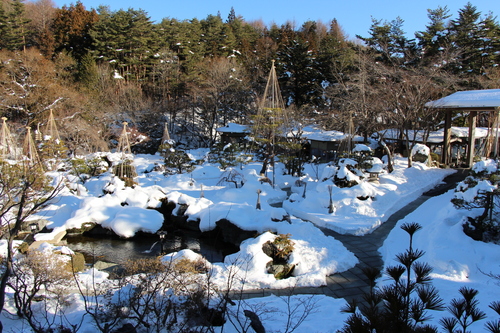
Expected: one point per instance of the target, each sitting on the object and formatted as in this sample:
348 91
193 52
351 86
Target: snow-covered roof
437 136
314 133
234 128
468 99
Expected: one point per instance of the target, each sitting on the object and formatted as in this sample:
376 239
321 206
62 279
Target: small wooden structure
458 140
233 133
53 133
473 102
328 144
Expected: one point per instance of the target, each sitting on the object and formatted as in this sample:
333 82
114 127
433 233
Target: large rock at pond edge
233 234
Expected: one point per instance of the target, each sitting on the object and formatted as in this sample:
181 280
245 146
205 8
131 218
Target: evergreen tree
435 40
389 41
465 30
232 16
299 74
183 39
336 54
71 29
489 44
126 39
15 31
3 26
217 37
87 72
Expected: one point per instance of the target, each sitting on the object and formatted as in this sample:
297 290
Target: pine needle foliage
404 304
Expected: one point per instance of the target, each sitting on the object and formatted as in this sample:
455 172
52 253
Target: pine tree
217 37
16 28
126 40
232 16
465 31
87 72
435 40
3 27
489 44
389 41
71 28
336 54
299 73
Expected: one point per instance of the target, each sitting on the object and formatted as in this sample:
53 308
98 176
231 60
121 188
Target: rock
233 234
280 271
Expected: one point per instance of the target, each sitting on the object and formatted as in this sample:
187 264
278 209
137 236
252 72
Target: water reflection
121 250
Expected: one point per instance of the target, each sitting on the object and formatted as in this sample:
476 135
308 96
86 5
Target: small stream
119 251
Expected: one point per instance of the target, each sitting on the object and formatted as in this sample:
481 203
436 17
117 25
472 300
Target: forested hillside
96 68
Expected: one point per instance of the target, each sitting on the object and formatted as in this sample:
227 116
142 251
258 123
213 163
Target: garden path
353 283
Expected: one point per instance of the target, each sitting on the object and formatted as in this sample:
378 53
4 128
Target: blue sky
353 15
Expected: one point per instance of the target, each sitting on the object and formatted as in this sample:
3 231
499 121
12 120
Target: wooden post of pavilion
472 138
446 152
472 101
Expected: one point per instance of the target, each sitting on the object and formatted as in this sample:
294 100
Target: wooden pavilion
473 102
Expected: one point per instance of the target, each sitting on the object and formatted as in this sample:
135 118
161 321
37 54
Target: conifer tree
389 41
465 31
3 27
126 40
335 55
15 31
299 73
71 28
87 72
435 39
217 37
489 44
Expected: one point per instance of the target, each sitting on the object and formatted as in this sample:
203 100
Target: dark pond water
120 250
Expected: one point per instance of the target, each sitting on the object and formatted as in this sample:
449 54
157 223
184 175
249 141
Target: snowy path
352 283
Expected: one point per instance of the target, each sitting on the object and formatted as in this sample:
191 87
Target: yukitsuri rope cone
124 169
8 146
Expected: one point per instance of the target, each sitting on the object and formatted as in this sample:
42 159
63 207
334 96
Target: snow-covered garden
292 209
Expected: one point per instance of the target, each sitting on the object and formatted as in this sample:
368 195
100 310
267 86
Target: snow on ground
356 216
211 195
325 317
457 259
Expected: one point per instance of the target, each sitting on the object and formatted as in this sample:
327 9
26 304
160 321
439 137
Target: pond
119 251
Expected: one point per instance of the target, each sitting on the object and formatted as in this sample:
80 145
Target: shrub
87 167
178 161
402 305
232 176
191 266
126 172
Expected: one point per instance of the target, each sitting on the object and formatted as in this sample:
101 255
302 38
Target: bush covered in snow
480 191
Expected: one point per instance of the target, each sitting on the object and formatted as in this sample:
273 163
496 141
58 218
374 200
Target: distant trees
13 26
120 65
125 40
221 94
70 30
